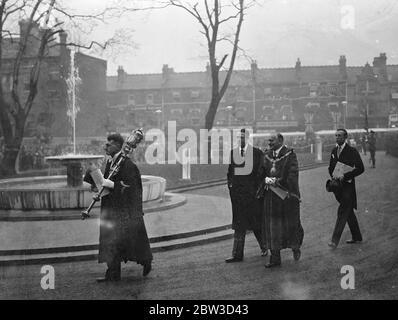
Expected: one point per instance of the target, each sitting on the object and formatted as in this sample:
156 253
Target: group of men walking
267 199
265 195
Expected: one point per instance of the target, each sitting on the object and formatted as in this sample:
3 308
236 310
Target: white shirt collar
116 156
245 148
342 146
278 150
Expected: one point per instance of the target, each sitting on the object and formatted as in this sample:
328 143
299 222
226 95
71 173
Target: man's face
274 143
111 148
340 137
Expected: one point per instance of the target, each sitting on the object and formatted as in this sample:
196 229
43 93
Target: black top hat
333 185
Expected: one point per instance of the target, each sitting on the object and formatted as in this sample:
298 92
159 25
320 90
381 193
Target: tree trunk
12 142
209 121
211 113
9 162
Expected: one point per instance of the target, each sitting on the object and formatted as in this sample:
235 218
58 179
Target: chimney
62 37
343 67
62 41
208 71
166 71
380 66
121 76
298 70
23 27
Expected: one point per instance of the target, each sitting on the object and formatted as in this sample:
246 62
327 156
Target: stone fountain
53 192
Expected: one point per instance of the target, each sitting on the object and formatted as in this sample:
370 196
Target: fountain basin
74 166
52 193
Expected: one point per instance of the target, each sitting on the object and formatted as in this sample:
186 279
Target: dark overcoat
246 208
123 234
371 143
281 225
349 156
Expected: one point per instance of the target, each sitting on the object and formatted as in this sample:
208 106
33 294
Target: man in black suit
346 194
243 183
372 148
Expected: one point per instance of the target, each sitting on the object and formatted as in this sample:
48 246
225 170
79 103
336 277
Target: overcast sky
274 34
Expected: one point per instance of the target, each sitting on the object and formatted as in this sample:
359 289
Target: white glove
270 180
108 184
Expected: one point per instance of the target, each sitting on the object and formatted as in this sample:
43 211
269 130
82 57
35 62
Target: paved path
199 213
200 272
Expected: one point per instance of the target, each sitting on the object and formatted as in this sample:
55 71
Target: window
131 99
195 111
287 112
176 96
333 106
268 109
195 94
53 75
312 106
268 112
241 112
195 121
149 98
313 89
6 82
195 115
332 89
176 114
53 94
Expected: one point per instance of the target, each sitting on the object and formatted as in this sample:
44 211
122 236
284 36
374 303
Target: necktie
242 152
338 151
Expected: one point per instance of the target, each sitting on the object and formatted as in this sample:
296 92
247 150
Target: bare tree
220 21
31 47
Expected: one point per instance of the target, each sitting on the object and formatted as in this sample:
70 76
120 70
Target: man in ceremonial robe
281 226
123 235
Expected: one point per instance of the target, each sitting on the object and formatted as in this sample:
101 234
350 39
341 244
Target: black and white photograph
198 155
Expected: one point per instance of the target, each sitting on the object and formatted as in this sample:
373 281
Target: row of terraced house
286 99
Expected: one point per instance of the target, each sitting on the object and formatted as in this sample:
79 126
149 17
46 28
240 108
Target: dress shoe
352 241
332 245
264 253
108 279
104 279
273 264
147 268
233 259
296 254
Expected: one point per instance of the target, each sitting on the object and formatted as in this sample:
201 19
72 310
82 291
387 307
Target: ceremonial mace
131 143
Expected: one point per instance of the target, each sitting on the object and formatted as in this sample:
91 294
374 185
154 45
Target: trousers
239 242
345 214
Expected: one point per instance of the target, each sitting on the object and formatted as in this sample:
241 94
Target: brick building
49 112
286 99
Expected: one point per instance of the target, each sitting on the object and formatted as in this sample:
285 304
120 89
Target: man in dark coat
123 235
346 195
242 184
281 225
